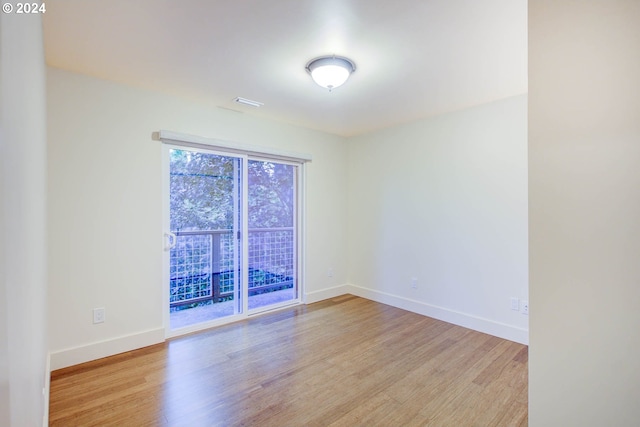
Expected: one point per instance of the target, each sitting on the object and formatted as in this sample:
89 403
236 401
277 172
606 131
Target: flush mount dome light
330 71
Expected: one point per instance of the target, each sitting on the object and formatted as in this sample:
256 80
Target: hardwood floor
341 362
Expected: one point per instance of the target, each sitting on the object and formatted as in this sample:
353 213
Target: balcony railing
202 264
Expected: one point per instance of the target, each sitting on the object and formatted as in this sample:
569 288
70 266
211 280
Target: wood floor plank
345 361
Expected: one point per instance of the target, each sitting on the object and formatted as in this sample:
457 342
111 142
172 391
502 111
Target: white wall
23 345
584 189
105 205
444 200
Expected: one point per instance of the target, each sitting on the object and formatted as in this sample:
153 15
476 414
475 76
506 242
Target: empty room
306 213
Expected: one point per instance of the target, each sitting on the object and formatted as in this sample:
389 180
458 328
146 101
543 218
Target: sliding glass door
215 271
272 214
205 219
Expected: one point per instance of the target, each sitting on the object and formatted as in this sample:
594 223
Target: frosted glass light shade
330 76
330 71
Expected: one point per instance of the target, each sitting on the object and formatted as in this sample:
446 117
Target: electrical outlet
414 282
98 315
524 307
515 304
330 272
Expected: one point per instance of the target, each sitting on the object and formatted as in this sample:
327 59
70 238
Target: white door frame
298 235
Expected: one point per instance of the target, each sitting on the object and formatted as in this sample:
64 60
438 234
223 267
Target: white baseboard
73 356
46 390
323 294
479 324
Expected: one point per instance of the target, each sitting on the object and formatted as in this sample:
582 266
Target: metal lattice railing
271 259
201 264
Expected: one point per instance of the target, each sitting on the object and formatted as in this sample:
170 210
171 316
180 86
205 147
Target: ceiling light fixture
330 71
250 102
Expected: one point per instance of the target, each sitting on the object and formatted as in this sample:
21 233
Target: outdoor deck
204 268
191 316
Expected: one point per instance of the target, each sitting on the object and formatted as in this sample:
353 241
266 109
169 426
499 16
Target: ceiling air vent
246 101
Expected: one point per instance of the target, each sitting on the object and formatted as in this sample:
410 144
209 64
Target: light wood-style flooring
346 361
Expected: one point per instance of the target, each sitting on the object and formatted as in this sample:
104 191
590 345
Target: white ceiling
414 58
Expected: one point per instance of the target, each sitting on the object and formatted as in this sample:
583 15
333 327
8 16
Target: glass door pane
205 221
272 240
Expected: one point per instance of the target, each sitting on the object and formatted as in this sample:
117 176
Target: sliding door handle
170 240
